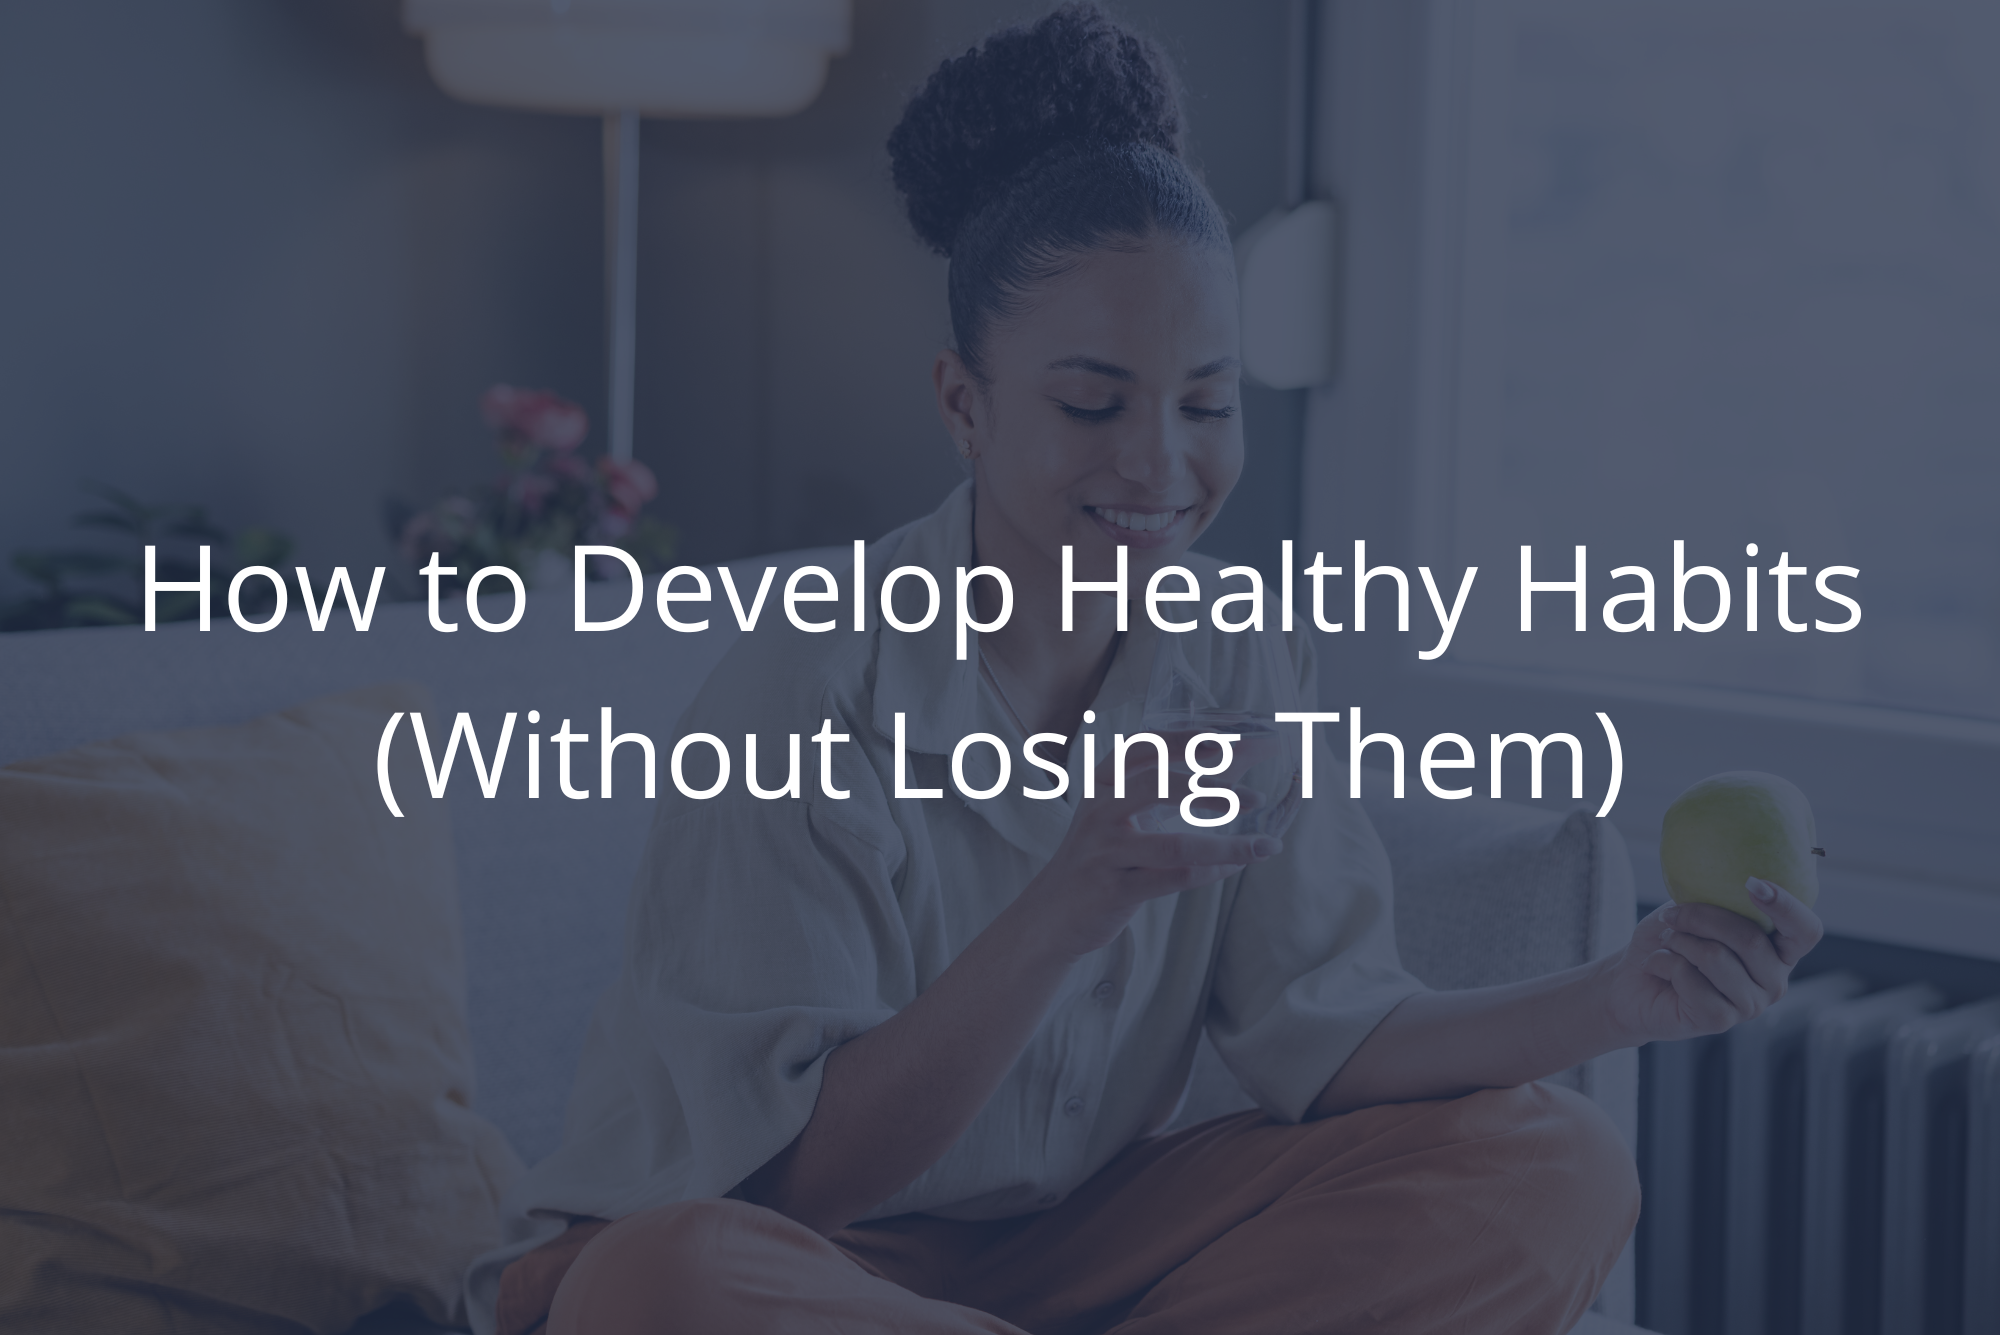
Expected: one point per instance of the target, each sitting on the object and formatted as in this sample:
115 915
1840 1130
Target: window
1728 273
1723 271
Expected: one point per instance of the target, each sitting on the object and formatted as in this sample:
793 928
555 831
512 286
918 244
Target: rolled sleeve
766 937
1307 965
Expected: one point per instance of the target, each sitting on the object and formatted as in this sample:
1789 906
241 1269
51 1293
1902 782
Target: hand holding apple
1732 828
1694 969
1739 857
1690 969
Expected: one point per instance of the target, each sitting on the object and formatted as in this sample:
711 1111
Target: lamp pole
621 268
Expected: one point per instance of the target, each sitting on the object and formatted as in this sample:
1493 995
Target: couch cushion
232 1037
542 884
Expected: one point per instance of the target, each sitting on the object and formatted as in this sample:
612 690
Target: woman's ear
958 402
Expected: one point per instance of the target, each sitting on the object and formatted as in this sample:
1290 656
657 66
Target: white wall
251 257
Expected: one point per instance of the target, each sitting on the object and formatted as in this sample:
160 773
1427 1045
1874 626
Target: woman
893 1064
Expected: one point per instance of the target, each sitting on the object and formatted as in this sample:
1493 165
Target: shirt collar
942 699
916 674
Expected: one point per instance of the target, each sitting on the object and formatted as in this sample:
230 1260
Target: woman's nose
1152 451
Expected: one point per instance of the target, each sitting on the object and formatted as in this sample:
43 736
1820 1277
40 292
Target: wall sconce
1287 264
1285 270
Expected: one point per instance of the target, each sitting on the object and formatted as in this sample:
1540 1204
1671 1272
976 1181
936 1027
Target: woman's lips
1141 535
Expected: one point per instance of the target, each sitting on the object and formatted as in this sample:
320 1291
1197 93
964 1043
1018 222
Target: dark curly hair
1045 142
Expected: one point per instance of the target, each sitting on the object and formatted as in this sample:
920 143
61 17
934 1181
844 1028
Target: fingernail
1671 915
1763 890
1666 935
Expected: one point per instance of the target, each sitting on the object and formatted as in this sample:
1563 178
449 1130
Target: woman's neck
1048 675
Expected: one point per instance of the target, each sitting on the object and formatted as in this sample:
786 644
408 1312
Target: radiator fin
1925 1170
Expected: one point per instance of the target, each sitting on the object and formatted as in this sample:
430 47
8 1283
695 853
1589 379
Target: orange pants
1494 1213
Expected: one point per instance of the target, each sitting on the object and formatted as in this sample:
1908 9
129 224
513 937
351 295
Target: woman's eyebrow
1106 369
1092 365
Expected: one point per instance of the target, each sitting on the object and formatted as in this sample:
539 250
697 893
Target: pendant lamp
624 59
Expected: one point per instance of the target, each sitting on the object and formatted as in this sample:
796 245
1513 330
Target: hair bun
984 116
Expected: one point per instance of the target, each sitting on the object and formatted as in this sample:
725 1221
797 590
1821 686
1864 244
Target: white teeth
1138 522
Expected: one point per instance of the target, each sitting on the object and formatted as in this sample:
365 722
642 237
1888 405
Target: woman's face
1111 412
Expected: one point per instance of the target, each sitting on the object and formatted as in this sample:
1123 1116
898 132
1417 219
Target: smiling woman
1106 418
1094 383
882 1059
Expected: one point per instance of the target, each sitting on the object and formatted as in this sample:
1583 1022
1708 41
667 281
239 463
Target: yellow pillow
235 1081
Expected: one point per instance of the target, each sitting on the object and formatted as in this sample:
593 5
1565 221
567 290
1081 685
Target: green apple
1730 827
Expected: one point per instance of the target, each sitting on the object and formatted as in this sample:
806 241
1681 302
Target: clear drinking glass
1256 767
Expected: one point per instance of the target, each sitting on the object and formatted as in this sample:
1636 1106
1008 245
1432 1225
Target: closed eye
1195 414
1104 414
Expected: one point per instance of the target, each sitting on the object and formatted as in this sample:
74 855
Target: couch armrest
1493 892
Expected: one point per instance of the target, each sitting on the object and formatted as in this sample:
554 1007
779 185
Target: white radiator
1924 1256
1831 1168
1982 1208
1767 1101
1847 1062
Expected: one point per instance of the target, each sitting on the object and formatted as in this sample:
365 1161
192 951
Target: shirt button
1073 1107
1104 989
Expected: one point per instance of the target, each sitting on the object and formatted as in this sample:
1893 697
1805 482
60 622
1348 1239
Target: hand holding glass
1232 769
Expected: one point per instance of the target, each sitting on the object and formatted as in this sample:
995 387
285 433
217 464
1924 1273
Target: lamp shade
679 58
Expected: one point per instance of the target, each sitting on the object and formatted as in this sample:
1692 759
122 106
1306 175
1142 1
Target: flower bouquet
547 499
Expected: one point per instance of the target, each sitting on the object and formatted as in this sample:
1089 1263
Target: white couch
1487 891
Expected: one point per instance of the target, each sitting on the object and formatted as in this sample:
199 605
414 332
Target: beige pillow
235 1081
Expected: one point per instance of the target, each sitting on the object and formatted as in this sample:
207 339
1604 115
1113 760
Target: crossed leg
1499 1213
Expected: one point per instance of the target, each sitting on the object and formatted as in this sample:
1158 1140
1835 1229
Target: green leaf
97 612
38 567
262 547
78 562
193 522
136 515
117 520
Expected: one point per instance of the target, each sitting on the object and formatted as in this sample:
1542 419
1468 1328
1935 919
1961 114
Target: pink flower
547 419
456 515
530 490
447 522
630 484
416 532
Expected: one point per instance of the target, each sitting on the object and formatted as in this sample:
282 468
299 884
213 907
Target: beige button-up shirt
764 933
